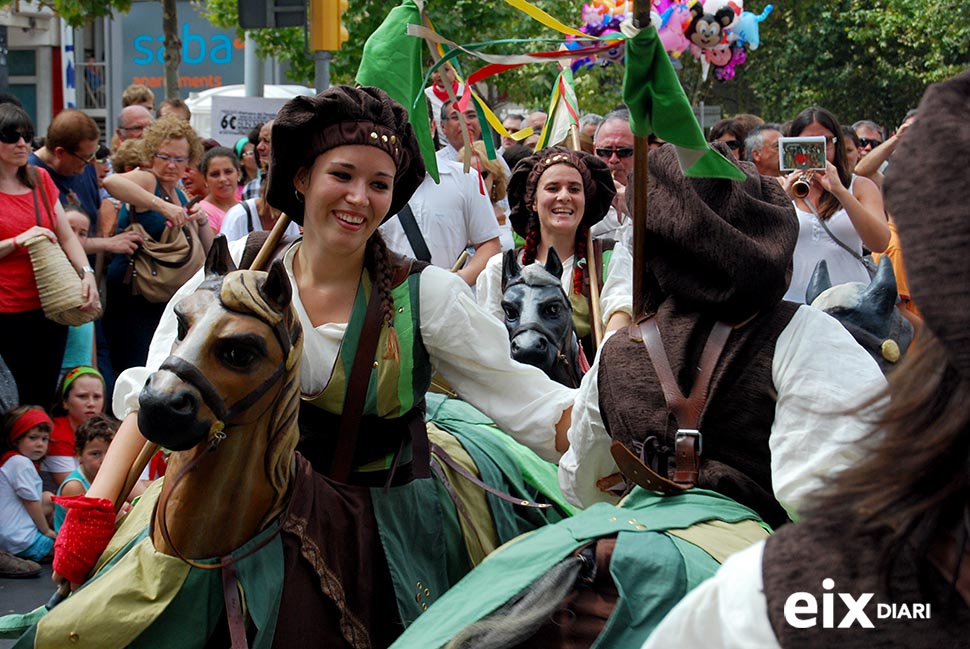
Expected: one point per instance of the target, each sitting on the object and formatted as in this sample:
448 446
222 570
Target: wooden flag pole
641 179
595 310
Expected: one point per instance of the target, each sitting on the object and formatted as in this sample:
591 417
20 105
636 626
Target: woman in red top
30 344
82 397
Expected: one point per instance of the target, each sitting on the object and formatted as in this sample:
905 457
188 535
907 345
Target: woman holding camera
839 216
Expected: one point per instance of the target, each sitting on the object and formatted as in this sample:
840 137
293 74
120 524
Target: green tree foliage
862 60
869 59
463 21
79 12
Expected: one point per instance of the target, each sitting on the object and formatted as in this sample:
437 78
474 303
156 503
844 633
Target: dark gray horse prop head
868 311
539 318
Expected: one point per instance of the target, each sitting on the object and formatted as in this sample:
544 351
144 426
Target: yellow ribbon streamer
541 16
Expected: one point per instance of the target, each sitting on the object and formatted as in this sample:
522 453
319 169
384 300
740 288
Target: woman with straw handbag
30 343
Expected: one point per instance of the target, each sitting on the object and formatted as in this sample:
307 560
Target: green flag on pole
392 61
658 105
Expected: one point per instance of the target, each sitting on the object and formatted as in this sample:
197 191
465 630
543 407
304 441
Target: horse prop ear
510 268
276 289
218 262
819 283
553 263
882 291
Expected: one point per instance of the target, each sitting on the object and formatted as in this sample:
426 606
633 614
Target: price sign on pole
235 117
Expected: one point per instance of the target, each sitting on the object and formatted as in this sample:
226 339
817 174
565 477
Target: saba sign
211 57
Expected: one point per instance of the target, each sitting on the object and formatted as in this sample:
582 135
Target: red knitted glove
87 528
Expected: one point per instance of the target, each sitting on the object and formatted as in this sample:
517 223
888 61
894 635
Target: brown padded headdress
597 183
924 191
719 246
307 126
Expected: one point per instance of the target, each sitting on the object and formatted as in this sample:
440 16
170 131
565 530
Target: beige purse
58 283
159 268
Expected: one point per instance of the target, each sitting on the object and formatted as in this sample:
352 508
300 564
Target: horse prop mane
867 311
539 318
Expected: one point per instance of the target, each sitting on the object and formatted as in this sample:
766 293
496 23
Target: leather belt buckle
690 432
688 446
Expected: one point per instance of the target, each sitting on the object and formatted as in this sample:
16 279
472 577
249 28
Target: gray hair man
762 148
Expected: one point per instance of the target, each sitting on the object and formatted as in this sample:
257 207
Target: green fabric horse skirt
665 546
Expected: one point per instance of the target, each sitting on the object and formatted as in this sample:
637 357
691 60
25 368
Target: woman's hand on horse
35 231
59 579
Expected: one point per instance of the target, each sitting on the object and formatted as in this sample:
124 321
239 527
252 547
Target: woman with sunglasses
31 345
733 133
151 197
841 215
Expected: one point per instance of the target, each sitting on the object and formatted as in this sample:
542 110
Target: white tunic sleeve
617 293
728 611
471 351
588 458
488 287
820 373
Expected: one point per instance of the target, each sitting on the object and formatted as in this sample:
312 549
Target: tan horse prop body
205 561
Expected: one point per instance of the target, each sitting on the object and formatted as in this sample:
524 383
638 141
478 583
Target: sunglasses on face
864 142
623 152
13 135
734 145
485 174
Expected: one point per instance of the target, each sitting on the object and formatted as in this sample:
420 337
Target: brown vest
736 423
799 557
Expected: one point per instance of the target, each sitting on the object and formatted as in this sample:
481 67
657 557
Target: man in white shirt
449 216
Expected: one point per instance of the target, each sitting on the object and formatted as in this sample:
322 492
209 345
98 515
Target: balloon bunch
718 33
601 18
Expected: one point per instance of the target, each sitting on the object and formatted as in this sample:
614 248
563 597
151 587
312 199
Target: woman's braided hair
377 261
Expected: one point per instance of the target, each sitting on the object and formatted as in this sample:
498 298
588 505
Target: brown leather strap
360 371
634 469
234 612
453 464
458 503
688 443
687 410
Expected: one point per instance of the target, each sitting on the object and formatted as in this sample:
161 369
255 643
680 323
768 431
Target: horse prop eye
552 310
511 313
238 357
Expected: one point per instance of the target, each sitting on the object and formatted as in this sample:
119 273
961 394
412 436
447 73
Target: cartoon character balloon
717 32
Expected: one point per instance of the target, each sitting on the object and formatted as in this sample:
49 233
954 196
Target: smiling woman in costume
555 195
341 163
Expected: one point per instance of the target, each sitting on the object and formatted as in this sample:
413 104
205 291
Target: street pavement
24 595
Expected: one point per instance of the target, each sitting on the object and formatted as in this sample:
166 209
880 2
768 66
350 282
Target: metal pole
321 68
252 69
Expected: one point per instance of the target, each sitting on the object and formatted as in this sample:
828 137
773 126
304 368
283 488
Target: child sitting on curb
25 509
